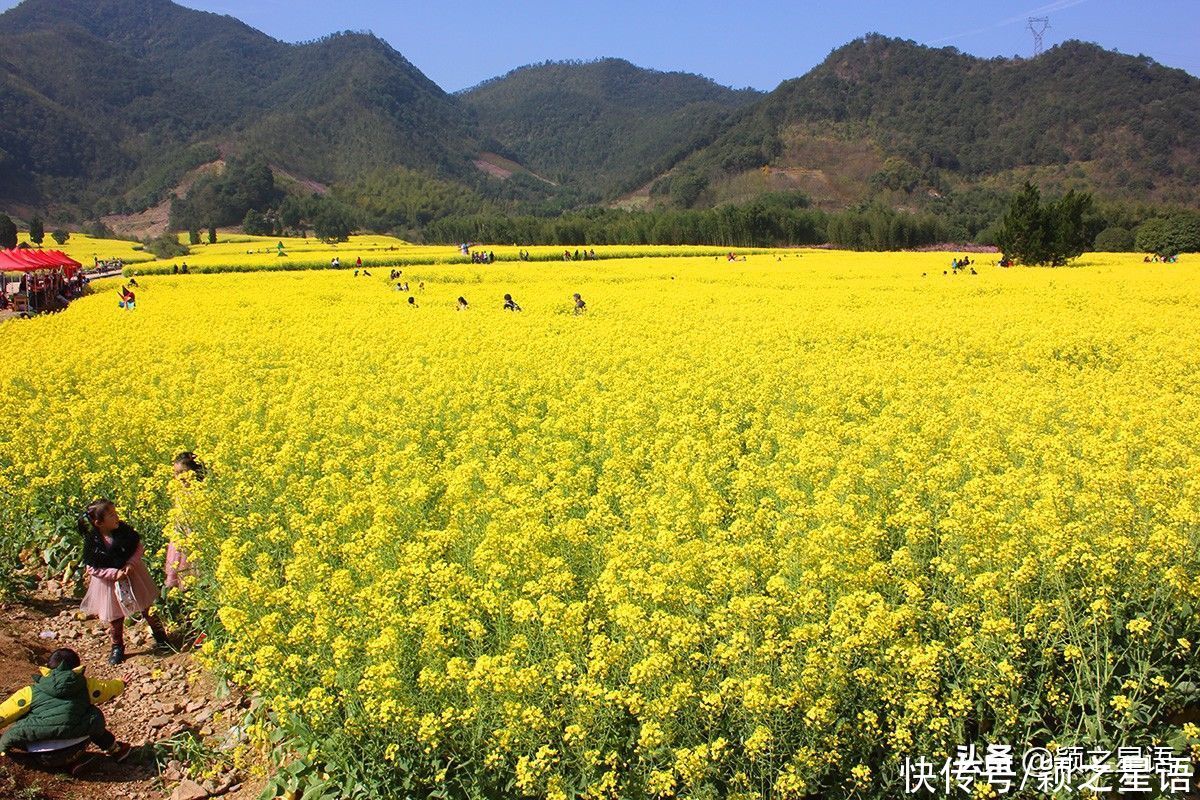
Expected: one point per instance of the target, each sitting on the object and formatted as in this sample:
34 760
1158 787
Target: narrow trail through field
168 699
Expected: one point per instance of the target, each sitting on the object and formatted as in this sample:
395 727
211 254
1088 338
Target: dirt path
169 699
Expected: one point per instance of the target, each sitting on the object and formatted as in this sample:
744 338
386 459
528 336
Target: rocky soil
183 726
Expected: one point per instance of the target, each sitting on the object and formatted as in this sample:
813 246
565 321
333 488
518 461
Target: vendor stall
37 280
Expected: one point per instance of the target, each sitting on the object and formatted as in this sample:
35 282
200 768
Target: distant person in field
187 467
510 304
412 301
133 281
973 272
462 304
128 299
580 306
61 704
420 286
356 273
366 273
358 262
184 268
399 286
118 581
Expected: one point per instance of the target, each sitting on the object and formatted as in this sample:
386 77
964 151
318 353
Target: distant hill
111 106
113 101
887 114
606 125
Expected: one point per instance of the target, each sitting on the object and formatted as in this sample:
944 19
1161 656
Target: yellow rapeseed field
739 530
87 249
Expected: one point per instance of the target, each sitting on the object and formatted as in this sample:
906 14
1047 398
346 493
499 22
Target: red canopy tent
23 260
48 272
70 265
11 261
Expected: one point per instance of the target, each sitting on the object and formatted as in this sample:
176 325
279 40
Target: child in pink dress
187 467
112 552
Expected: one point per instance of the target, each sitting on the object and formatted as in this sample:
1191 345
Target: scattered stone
160 721
47 635
189 790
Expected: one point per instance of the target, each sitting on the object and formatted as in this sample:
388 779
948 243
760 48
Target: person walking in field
412 302
580 306
187 468
462 304
61 704
118 581
510 304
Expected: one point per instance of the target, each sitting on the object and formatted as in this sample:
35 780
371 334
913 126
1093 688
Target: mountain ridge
110 104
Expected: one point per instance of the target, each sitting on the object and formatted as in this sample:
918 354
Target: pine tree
1053 233
8 232
1022 231
37 230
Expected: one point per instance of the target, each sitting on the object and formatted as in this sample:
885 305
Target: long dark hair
191 462
96 552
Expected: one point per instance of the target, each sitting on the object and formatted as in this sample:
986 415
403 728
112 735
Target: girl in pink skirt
187 467
112 553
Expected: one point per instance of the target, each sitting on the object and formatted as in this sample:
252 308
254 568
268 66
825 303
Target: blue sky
748 43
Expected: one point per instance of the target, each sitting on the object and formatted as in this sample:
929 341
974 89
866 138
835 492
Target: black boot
117 655
161 642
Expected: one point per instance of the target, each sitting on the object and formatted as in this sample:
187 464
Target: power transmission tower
1038 27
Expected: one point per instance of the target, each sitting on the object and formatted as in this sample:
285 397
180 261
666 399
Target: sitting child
61 705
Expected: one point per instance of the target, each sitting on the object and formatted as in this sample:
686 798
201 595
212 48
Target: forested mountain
110 106
883 114
114 100
606 125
